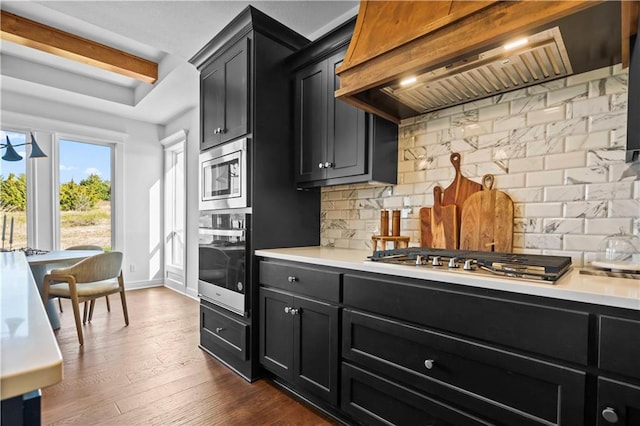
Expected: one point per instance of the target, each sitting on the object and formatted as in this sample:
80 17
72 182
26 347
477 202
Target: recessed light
407 81
516 43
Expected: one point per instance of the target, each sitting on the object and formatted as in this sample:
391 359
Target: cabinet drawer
222 331
304 280
373 400
558 333
620 346
500 385
618 403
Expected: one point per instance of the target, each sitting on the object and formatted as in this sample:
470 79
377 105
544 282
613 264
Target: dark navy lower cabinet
491 384
374 349
299 343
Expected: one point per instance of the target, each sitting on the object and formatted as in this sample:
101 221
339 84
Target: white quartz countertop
30 358
573 286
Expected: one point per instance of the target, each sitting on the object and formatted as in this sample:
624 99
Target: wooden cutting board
444 223
459 189
487 220
425 227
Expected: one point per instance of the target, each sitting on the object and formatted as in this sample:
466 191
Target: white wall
138 177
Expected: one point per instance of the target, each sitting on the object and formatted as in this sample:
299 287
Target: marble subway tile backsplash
557 149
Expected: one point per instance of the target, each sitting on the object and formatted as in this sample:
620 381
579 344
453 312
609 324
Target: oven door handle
223 232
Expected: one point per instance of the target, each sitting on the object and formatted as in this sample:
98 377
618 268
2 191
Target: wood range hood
407 58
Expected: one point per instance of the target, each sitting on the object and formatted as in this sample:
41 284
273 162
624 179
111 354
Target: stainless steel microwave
223 176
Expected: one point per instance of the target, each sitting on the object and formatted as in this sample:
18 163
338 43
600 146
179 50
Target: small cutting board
444 223
487 220
426 239
459 189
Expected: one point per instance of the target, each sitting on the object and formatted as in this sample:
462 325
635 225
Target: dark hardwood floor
152 372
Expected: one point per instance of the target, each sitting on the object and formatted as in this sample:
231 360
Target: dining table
41 264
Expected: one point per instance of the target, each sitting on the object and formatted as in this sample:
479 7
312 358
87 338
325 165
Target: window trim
176 142
31 176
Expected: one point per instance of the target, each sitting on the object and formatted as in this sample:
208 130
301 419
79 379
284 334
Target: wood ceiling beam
26 32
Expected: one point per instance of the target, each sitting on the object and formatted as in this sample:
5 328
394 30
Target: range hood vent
454 50
543 58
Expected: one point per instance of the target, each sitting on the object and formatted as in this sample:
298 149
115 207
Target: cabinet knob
610 415
294 311
218 130
292 279
428 363
219 329
328 165
321 165
287 310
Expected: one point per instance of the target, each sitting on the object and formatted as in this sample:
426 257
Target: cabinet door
276 332
346 132
311 122
212 101
315 344
618 403
225 97
236 94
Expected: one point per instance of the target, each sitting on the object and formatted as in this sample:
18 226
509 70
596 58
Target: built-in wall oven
223 176
223 258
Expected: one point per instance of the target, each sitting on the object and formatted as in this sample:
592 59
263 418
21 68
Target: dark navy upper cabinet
336 143
224 92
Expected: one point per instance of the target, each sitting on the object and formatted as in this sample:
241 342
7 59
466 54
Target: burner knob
453 263
468 265
436 261
418 260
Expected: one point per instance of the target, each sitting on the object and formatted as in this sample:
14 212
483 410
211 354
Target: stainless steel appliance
521 266
223 256
223 176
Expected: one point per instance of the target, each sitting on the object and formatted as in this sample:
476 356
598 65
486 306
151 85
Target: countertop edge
33 360
24 382
562 290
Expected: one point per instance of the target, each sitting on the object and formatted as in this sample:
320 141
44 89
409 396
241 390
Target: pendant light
12 155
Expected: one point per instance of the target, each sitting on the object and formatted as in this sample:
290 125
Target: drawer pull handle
610 415
219 329
292 279
428 363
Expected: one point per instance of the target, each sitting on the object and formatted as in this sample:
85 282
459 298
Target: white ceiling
167 32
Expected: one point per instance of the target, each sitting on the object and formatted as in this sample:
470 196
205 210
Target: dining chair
91 278
86 247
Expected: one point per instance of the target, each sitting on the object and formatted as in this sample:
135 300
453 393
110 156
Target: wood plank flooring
153 373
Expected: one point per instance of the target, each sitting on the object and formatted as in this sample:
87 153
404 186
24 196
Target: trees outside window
85 194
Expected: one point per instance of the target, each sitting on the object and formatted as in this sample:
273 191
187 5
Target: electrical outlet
132 268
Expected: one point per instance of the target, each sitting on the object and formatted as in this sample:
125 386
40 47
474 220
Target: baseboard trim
190 293
137 285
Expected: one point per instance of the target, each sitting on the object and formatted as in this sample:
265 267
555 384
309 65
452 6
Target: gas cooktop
524 266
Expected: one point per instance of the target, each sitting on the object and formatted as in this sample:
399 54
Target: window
176 206
13 194
85 171
174 209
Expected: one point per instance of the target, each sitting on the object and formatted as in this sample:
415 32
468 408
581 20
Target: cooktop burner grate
533 266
